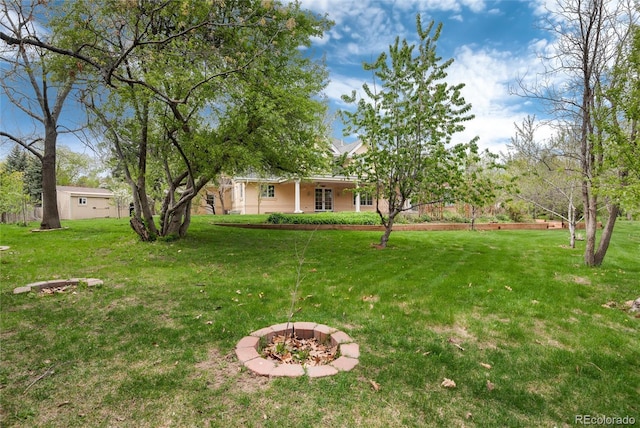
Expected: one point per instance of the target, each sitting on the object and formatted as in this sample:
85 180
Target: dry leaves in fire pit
57 289
294 350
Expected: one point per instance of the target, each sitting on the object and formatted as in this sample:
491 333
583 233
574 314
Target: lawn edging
408 227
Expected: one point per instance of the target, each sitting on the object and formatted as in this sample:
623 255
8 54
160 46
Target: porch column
243 186
357 202
296 208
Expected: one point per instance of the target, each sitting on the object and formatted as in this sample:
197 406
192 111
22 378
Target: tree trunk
139 227
221 194
473 217
187 220
607 232
590 222
50 215
144 224
571 219
572 234
388 227
177 221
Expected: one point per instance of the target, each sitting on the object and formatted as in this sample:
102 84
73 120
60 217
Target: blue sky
492 44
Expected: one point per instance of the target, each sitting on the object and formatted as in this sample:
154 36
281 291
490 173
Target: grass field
513 317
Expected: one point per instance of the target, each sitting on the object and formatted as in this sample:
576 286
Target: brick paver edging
39 286
247 351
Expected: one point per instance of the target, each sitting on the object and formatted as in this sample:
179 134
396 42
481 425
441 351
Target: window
82 201
267 191
366 199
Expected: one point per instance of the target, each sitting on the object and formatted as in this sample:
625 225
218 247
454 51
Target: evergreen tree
16 160
33 179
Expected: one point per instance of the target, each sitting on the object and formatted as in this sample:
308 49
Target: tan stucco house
251 194
76 203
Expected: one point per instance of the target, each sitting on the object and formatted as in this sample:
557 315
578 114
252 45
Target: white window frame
82 200
327 201
366 199
267 191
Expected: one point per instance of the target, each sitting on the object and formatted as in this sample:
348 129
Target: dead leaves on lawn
294 350
448 383
455 342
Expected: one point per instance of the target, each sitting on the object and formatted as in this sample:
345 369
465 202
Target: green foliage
224 88
477 184
49 79
16 160
518 210
12 195
19 160
545 174
364 218
155 343
620 118
76 169
408 125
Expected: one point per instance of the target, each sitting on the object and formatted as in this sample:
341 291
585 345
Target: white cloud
489 76
321 41
343 85
475 5
367 27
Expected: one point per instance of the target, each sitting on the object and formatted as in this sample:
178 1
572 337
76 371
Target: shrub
367 218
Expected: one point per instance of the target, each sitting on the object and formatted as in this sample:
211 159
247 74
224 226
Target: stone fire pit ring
43 285
247 351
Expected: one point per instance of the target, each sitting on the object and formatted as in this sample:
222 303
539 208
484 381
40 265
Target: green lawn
154 345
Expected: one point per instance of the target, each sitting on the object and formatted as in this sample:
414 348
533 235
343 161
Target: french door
324 199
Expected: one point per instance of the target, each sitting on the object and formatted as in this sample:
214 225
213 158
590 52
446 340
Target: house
251 194
84 202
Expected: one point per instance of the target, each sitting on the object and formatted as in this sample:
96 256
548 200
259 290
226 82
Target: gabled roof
339 147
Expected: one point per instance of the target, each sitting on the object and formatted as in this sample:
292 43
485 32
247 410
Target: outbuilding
76 203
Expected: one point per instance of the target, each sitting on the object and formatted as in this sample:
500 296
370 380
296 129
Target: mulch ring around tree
296 349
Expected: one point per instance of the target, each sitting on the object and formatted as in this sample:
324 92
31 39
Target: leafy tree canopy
407 120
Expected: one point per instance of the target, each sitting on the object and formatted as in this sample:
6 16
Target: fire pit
56 285
299 348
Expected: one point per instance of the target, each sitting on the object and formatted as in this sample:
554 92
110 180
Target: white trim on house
292 194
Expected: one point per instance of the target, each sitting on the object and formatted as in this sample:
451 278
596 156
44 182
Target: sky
493 43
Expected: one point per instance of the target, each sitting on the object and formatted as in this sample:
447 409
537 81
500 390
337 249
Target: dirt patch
544 337
582 280
224 370
459 336
455 330
371 298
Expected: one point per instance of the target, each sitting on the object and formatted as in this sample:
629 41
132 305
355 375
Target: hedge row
325 218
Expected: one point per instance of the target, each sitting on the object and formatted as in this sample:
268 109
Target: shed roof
85 191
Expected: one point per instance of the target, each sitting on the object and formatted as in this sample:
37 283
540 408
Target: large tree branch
27 146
